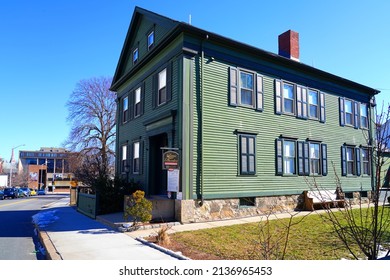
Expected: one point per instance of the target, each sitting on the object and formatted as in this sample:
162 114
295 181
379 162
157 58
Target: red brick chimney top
289 45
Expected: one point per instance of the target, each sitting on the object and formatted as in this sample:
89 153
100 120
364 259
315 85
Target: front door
157 176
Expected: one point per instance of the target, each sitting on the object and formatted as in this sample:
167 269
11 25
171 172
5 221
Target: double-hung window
247 154
314 155
124 159
289 157
150 40
125 109
350 160
162 87
246 89
313 104
137 102
348 112
135 55
136 157
363 115
288 98
366 168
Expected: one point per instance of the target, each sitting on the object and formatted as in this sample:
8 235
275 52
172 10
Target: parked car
11 192
20 192
41 192
26 191
1 195
33 192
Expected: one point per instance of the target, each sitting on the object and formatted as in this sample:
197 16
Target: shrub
138 208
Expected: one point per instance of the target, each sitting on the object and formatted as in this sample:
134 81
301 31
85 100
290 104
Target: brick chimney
289 45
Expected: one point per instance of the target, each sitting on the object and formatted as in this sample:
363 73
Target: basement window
247 202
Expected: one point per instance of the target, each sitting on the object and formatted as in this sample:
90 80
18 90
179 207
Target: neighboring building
47 168
251 127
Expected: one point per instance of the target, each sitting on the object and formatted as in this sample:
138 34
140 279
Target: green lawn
313 238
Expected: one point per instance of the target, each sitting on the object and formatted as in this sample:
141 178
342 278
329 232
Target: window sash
135 56
150 40
162 87
136 157
313 104
137 102
289 155
124 157
288 98
247 89
125 109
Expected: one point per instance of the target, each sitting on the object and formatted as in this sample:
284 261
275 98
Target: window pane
246 97
136 150
125 103
314 151
289 166
138 95
124 152
363 110
348 106
246 80
288 91
289 149
162 79
150 39
349 154
313 97
348 118
135 55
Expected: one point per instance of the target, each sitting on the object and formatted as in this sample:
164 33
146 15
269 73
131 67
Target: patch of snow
44 218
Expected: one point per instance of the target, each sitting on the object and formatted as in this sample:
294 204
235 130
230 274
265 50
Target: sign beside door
170 160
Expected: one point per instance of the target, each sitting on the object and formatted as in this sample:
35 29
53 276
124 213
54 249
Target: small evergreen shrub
138 208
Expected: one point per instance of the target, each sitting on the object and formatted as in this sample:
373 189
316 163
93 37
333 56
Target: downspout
372 142
202 121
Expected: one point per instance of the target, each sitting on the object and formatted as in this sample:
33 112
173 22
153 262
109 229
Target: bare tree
92 114
364 228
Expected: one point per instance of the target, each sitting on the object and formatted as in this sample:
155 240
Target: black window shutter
306 157
342 111
233 94
322 107
358 161
131 105
324 158
343 161
154 90
279 157
278 97
356 113
301 157
260 94
169 81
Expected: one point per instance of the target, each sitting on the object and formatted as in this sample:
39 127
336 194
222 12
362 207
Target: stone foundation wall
193 211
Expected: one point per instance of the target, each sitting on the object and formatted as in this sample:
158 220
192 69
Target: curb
50 249
162 249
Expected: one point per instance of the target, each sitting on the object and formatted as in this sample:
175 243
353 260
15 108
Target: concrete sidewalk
73 236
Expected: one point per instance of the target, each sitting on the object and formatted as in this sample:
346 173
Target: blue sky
47 46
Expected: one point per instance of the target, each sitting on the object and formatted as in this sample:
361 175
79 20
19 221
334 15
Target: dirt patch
191 253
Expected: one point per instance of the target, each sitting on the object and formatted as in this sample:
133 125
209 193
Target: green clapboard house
252 129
